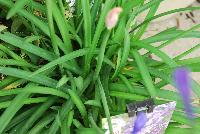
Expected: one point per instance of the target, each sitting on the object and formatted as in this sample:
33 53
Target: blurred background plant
62 70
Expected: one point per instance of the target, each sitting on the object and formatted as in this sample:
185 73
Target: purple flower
139 122
182 81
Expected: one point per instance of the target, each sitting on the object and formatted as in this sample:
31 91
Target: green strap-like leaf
26 101
77 101
16 7
144 72
105 105
62 60
35 89
9 113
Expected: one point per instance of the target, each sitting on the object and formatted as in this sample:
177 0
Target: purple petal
182 80
139 122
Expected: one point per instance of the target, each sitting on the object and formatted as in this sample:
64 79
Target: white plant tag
158 121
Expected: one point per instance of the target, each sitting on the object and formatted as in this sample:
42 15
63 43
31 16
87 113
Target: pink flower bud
112 17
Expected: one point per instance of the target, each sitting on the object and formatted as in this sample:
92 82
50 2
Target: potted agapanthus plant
66 67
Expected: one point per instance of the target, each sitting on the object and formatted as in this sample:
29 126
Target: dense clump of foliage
63 70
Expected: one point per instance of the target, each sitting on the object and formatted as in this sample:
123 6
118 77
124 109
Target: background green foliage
63 72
